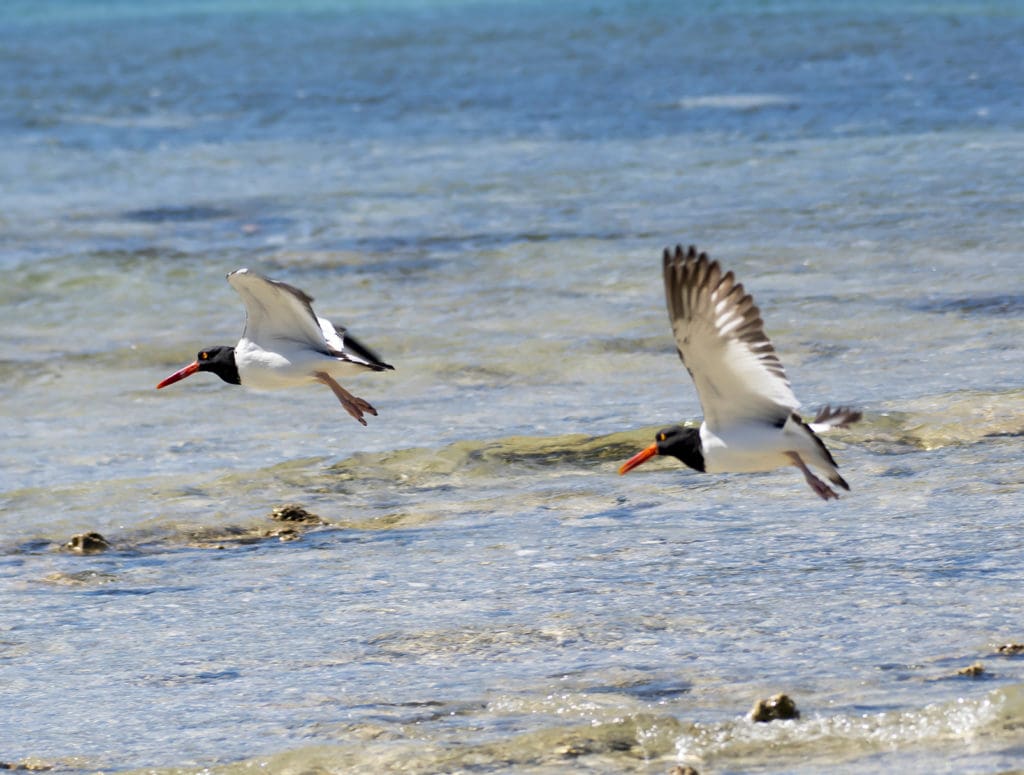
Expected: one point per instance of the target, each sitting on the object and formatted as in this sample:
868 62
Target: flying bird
750 412
285 344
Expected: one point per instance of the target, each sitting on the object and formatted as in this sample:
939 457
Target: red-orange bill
640 457
180 374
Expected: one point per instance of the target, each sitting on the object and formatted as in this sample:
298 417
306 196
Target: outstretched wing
276 311
720 338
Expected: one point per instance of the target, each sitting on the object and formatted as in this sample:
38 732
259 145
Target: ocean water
481 192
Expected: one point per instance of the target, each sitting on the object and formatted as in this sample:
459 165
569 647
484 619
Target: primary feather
720 338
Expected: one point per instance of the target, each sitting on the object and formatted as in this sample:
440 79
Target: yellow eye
204 356
661 437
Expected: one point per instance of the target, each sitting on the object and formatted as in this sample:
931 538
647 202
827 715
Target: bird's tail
836 479
357 352
829 418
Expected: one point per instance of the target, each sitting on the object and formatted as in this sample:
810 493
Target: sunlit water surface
481 193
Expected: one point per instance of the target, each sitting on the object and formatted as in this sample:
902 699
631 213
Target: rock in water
294 512
972 671
87 543
778 708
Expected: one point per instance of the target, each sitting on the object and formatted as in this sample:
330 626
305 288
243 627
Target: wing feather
720 338
276 311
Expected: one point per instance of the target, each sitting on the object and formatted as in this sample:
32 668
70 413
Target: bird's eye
204 356
661 437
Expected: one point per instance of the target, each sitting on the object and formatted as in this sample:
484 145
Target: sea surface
481 191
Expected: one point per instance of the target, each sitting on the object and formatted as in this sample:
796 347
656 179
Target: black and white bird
750 412
285 344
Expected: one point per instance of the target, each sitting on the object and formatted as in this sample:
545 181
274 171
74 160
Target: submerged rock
972 671
778 708
681 770
573 749
297 520
87 543
284 534
1011 649
28 765
222 537
80 579
294 512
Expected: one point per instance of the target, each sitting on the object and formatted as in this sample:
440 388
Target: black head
677 441
682 443
219 360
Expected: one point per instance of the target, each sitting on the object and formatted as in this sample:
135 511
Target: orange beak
180 374
638 458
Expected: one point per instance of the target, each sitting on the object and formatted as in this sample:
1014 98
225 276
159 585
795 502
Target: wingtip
681 254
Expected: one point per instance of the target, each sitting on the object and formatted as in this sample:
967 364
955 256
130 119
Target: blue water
481 192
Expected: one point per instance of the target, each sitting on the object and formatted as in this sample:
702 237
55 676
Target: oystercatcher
750 411
285 344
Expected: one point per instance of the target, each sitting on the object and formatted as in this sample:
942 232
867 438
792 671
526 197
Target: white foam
736 101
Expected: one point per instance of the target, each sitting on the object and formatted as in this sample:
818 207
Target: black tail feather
360 350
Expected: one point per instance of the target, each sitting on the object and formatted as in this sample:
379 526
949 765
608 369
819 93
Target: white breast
744 449
272 370
265 370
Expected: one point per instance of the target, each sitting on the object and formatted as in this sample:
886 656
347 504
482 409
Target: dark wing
720 338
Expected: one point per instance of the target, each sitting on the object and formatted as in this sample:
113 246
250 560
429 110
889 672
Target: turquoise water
481 192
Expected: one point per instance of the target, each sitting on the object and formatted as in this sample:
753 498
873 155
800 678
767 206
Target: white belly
747 449
269 370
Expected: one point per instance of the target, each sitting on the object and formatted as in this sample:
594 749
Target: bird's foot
820 488
355 411
364 405
354 405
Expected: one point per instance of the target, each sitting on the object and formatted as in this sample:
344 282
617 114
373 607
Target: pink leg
354 405
823 490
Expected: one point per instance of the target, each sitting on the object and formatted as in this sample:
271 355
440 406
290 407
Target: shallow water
481 193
